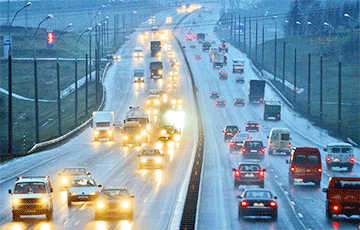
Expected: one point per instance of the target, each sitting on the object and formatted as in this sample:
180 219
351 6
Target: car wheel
317 183
270 152
15 216
240 215
49 215
97 216
69 202
329 215
236 184
274 216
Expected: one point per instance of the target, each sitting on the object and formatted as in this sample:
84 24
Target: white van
279 141
340 155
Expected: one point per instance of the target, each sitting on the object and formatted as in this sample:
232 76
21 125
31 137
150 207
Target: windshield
249 168
102 124
150 152
30 187
83 183
258 194
132 130
115 192
74 171
232 129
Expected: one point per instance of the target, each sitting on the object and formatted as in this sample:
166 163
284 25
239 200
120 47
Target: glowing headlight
148 101
143 160
64 180
159 145
100 205
44 200
96 132
177 137
179 101
157 102
173 101
73 194
138 137
109 132
126 137
171 144
163 131
93 193
16 201
143 133
158 160
134 54
160 71
149 111
148 127
136 79
125 204
155 111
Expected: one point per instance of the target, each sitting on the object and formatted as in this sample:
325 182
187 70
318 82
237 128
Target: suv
32 196
230 131
305 165
249 174
342 196
253 149
339 155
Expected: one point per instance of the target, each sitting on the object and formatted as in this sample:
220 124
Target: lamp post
351 18
37 140
10 83
97 14
274 18
68 26
299 23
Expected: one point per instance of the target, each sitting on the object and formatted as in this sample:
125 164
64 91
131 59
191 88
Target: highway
159 193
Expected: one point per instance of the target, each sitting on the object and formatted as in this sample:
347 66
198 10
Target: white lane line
292 202
300 215
76 223
286 192
280 184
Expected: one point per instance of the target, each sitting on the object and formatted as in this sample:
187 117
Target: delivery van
279 141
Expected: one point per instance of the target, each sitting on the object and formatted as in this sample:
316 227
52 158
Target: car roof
44 179
82 177
239 98
339 145
252 122
257 190
248 163
231 126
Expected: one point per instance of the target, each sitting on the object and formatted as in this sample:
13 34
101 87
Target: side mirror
267 137
89 174
275 197
324 190
132 196
264 170
325 149
10 191
287 162
233 169
238 196
60 174
99 186
51 190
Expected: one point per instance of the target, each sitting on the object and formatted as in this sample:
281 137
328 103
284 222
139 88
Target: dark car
252 126
249 174
223 76
214 94
253 149
240 80
230 131
220 102
114 202
258 202
237 142
239 101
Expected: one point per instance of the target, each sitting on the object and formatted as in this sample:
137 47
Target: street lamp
351 18
10 82
68 26
87 30
299 23
50 16
310 24
274 18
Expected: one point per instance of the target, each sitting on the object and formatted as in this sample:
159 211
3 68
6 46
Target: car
138 52
253 149
173 75
114 202
192 46
199 15
193 22
305 165
160 93
139 75
197 56
237 142
342 196
258 202
223 71
220 102
340 155
249 174
239 102
206 46
240 80
69 173
151 158
82 188
252 126
279 141
171 131
153 100
230 131
176 102
223 76
32 195
214 94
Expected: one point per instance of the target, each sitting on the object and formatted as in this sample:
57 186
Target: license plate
259 204
238 144
82 197
298 180
31 211
253 151
249 175
348 207
336 159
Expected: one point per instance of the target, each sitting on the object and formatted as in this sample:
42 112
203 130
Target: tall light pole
61 33
351 18
37 132
10 83
274 18
96 15
299 23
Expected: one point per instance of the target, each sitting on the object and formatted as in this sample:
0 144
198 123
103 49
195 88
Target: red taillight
232 143
261 174
328 159
210 95
261 99
237 79
225 131
292 169
244 101
262 150
352 159
243 203
216 103
224 103
249 138
319 170
289 145
257 126
272 203
270 144
336 208
243 149
243 79
237 174
235 101
238 131
217 94
225 71
220 71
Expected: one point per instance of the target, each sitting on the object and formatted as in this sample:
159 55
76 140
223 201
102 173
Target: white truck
219 60
238 65
103 125
212 52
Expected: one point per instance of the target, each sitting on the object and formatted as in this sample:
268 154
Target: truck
139 75
223 47
272 109
156 69
135 128
256 91
103 125
136 114
206 46
219 60
238 65
212 52
155 47
200 37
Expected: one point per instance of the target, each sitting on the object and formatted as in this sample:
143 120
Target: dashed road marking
286 192
77 222
300 215
292 202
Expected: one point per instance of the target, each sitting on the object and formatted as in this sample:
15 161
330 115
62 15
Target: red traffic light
50 38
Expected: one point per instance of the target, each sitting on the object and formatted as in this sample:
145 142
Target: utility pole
284 58
295 76
321 90
309 85
58 94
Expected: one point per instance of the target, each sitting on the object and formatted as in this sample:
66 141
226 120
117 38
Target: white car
151 158
82 189
138 52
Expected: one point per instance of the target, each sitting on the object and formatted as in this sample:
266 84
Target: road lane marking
77 222
300 215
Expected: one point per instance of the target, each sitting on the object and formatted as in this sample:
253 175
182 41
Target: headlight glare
125 204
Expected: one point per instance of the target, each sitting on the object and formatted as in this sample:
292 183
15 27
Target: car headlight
143 133
163 131
138 137
96 132
148 101
157 102
64 180
126 137
171 144
155 111
125 204
149 111
148 127
44 200
173 101
160 71
109 132
158 160
159 145
143 160
15 201
177 137
100 205
179 101
93 193
136 79
73 194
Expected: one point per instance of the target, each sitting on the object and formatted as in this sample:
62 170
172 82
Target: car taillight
261 99
237 79
216 103
232 143
235 100
319 170
247 125
249 138
243 149
257 126
261 174
210 95
237 173
289 145
328 159
352 159
292 169
225 131
336 208
217 94
238 131
243 203
244 101
272 203
224 103
270 144
262 150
